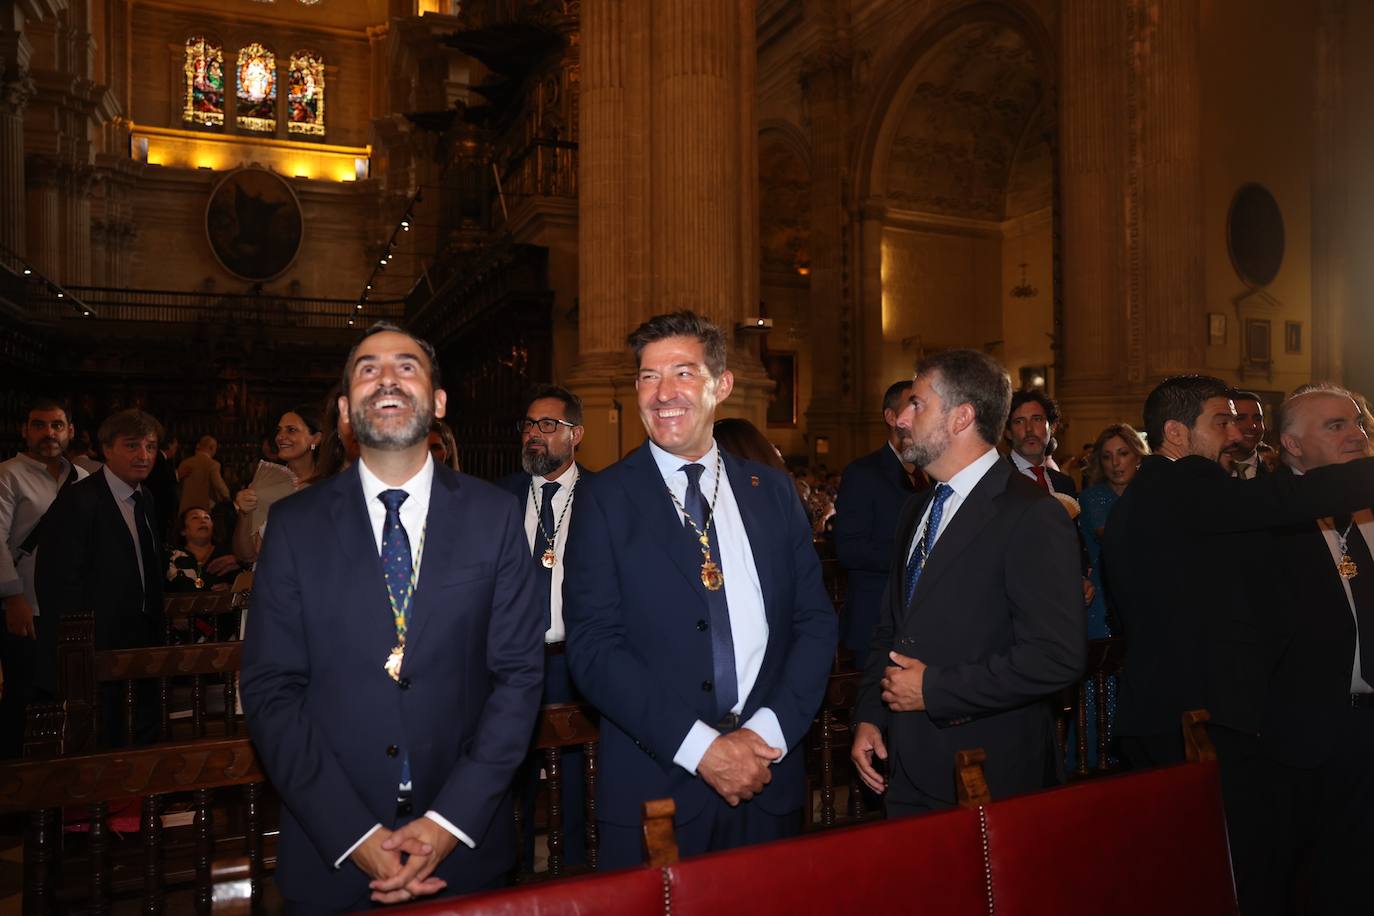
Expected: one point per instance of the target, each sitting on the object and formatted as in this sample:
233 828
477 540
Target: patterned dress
1096 502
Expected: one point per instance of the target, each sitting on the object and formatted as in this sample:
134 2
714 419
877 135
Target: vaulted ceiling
976 96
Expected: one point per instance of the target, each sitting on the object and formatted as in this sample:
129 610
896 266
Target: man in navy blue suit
697 621
393 661
873 491
546 486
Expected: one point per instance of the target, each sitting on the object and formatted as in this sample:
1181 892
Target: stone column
1130 138
76 231
667 194
44 216
16 88
1331 281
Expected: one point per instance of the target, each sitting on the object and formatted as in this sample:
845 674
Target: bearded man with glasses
546 486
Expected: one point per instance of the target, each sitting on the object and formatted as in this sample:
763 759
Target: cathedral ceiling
975 95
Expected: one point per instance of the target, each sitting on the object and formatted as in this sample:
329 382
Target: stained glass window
257 88
305 95
204 83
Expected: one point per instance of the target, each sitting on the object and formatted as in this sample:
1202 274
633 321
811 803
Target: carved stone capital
16 89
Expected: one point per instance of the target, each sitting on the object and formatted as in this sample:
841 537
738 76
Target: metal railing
174 307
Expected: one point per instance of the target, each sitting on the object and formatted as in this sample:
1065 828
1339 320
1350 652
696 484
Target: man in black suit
1245 457
873 491
546 486
1295 731
983 617
100 553
1169 550
1031 425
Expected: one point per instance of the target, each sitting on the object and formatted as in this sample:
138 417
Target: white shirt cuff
361 840
694 746
443 822
764 723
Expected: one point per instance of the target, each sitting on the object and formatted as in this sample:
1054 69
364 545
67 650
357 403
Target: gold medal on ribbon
711 576
393 661
1347 568
200 583
549 559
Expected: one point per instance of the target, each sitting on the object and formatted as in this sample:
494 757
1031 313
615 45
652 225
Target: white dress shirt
1364 519
124 499
566 485
414 512
748 620
26 492
962 484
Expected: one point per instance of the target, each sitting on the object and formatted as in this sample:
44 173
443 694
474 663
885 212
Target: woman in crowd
197 565
298 442
1116 456
442 445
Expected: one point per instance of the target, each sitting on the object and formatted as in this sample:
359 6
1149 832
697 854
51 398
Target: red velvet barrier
930 864
1135 845
631 892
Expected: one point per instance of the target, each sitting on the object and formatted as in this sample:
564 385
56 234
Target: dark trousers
558 688
17 655
909 801
717 827
1281 817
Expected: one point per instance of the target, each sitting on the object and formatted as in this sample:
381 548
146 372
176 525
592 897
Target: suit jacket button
701 625
404 683
706 686
392 750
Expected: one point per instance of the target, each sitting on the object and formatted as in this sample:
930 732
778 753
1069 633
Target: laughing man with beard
393 670
550 431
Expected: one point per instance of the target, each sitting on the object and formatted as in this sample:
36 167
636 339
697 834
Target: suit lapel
444 529
353 528
753 509
661 516
974 513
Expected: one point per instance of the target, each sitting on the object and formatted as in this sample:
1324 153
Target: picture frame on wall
1258 351
1216 329
781 366
1292 337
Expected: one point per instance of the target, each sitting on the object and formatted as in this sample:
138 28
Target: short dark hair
1240 394
1038 395
681 324
41 403
572 404
974 378
1180 399
133 423
892 397
378 327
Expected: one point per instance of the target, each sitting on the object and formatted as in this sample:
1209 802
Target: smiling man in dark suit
100 553
697 621
983 617
394 657
873 490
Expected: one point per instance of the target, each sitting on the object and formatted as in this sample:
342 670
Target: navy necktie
932 529
543 575
148 554
397 569
1361 592
722 640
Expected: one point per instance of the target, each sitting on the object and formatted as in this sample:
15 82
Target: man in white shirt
984 617
546 486
392 672
697 620
29 482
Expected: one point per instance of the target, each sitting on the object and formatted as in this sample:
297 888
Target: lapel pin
753 480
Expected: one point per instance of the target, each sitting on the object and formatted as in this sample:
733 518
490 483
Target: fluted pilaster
44 216
15 91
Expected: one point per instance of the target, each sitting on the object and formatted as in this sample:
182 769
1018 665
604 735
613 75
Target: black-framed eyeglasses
547 425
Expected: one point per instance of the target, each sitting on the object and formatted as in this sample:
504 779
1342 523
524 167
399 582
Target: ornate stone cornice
16 89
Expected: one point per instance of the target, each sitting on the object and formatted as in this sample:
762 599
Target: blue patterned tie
397 570
928 535
543 575
722 640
